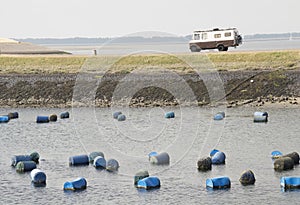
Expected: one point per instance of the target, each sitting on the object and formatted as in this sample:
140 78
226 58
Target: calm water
192 134
126 48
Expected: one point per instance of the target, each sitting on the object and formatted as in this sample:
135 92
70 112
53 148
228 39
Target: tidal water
187 137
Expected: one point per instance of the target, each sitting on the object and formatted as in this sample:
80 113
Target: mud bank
256 88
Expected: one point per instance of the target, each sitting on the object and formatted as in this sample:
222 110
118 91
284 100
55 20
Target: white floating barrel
13 115
79 160
261 117
160 159
283 163
64 115
42 119
25 166
4 119
218 158
116 114
204 164
247 178
276 154
77 184
112 165
93 155
121 117
38 177
53 118
290 182
170 115
149 183
218 117
294 156
141 174
218 183
19 158
99 162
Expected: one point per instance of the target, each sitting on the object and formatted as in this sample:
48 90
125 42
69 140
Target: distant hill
139 39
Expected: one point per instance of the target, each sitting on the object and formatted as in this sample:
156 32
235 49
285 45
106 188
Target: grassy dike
229 61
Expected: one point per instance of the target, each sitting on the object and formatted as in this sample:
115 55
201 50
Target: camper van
216 38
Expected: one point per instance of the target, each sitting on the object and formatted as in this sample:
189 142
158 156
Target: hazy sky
113 18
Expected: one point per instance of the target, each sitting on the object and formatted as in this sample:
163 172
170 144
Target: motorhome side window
204 36
196 36
217 35
227 34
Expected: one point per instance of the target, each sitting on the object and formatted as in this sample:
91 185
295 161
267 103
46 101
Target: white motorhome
216 38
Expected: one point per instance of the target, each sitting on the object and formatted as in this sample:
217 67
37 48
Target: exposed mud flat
256 88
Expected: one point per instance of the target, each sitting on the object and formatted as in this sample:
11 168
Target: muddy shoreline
254 88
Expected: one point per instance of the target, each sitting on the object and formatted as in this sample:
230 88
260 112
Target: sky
116 18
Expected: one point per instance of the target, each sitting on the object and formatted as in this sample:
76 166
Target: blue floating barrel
247 178
35 157
294 156
79 160
121 117
38 177
13 115
64 115
42 119
25 166
4 119
283 163
99 163
213 152
77 184
290 182
261 117
160 159
19 158
222 113
149 183
170 114
151 154
218 158
112 165
93 155
276 154
116 114
141 174
218 117
204 164
53 118
218 183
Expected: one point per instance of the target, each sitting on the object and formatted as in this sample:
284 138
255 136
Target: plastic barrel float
53 118
283 163
212 152
218 183
218 158
294 156
218 117
151 154
169 115
35 157
79 160
93 155
141 174
42 119
116 114
112 165
77 184
121 117
64 115
261 117
222 113
99 163
247 178
149 183
13 115
288 183
160 159
204 164
19 158
4 119
38 177
25 166
276 154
